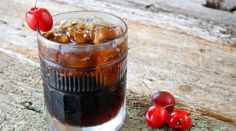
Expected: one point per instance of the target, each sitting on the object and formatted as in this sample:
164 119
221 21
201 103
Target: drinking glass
84 85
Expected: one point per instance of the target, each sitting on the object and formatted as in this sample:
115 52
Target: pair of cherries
39 18
157 115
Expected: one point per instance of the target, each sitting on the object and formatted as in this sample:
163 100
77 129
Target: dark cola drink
84 66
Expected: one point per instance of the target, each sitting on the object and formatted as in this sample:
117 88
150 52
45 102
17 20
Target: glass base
112 125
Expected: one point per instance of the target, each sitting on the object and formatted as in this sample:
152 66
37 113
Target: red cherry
164 99
179 120
156 116
39 17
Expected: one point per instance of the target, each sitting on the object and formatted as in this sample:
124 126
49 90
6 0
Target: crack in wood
221 5
217 116
149 6
3 22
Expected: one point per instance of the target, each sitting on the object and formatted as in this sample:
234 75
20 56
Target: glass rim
103 44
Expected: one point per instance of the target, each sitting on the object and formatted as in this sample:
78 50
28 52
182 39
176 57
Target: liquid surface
81 32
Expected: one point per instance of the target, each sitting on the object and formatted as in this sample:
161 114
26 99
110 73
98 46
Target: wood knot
202 50
29 106
185 88
149 6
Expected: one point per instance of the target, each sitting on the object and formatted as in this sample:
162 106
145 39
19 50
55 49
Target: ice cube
49 34
104 34
86 26
77 36
118 30
61 38
91 20
91 35
65 24
84 31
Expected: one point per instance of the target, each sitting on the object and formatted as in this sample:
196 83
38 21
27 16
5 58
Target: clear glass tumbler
84 85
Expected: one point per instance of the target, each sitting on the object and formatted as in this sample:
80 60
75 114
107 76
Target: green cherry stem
150 92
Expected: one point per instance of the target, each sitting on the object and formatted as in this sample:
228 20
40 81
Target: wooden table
181 47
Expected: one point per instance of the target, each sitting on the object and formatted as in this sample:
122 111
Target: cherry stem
179 122
151 94
189 113
168 105
35 7
35 3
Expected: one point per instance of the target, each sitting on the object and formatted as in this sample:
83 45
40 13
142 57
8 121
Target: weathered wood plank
201 73
188 16
22 108
179 60
20 84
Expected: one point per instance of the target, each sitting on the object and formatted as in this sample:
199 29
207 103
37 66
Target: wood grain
188 56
